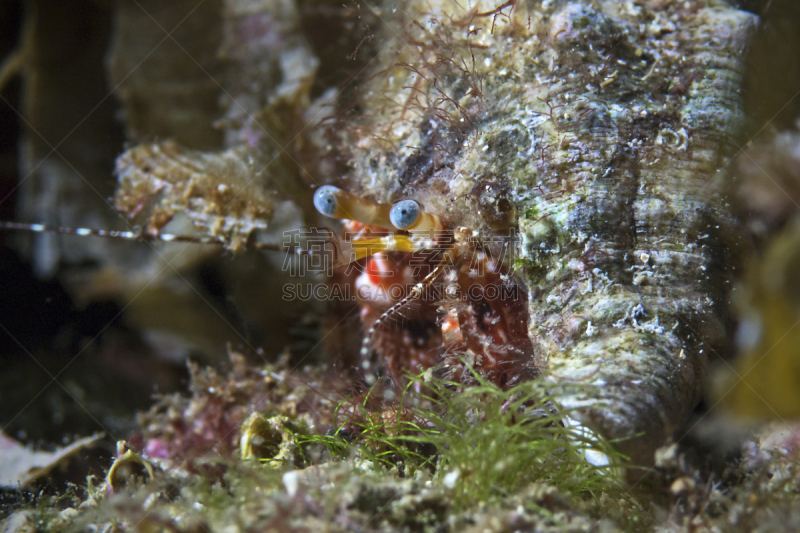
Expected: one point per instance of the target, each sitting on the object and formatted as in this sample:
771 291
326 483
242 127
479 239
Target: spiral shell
596 128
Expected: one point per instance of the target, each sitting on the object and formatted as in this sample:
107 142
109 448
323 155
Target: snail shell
597 129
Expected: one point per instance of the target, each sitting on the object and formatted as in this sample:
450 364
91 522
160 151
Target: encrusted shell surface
601 127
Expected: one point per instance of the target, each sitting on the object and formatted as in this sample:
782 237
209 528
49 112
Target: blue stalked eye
404 214
325 200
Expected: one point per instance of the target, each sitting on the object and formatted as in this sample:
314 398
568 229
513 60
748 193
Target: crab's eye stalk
405 214
408 215
325 200
334 202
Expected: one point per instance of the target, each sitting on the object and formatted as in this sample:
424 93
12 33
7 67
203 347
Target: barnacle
269 439
129 467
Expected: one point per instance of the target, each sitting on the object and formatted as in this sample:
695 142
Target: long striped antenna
415 292
141 236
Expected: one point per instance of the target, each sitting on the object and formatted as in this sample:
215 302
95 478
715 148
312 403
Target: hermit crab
475 311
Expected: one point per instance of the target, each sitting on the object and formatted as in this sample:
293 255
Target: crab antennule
334 202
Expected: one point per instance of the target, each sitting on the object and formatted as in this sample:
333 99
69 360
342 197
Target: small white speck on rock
291 482
450 479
